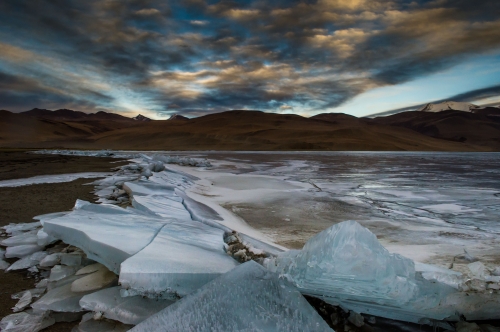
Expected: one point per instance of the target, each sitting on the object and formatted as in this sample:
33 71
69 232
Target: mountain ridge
257 130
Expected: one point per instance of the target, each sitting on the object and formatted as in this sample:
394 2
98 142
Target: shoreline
21 204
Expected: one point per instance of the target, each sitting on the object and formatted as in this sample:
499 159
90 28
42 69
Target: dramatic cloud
200 56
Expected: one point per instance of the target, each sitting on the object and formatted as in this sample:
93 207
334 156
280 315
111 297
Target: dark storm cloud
211 55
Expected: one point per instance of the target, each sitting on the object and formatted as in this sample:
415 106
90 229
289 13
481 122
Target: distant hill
255 130
336 117
141 117
480 127
70 115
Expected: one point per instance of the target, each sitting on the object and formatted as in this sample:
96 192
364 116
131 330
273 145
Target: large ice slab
346 265
28 261
164 206
183 257
249 298
128 310
108 234
24 321
60 299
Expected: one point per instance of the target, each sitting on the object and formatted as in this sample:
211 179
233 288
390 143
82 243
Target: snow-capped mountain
448 105
178 117
141 117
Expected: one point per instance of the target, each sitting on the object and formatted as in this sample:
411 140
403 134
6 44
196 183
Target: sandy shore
21 204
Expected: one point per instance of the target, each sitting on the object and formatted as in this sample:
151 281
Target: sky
195 57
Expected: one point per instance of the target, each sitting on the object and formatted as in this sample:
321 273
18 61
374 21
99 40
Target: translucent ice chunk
248 298
108 234
28 261
59 272
23 302
24 321
51 260
60 299
346 265
182 257
22 250
3 264
23 238
35 292
44 239
14 229
101 326
128 310
477 270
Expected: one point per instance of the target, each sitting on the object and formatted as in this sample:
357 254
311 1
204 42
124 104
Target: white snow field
161 253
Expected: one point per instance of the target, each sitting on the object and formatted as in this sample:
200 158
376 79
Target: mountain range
442 130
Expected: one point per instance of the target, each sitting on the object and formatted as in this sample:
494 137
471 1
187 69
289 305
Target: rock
467 327
90 269
356 319
334 318
94 281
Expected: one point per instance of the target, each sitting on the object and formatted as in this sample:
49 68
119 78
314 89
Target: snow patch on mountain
448 105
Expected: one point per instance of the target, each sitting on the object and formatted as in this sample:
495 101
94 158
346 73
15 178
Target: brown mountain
482 127
233 130
70 115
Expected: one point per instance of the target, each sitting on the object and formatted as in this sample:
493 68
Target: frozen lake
426 206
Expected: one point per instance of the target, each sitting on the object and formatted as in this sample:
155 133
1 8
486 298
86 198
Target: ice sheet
108 234
248 298
51 179
129 310
183 256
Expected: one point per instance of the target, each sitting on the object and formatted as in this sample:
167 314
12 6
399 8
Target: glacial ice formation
346 265
248 298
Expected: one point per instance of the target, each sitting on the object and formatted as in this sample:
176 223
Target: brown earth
21 204
248 130
479 128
